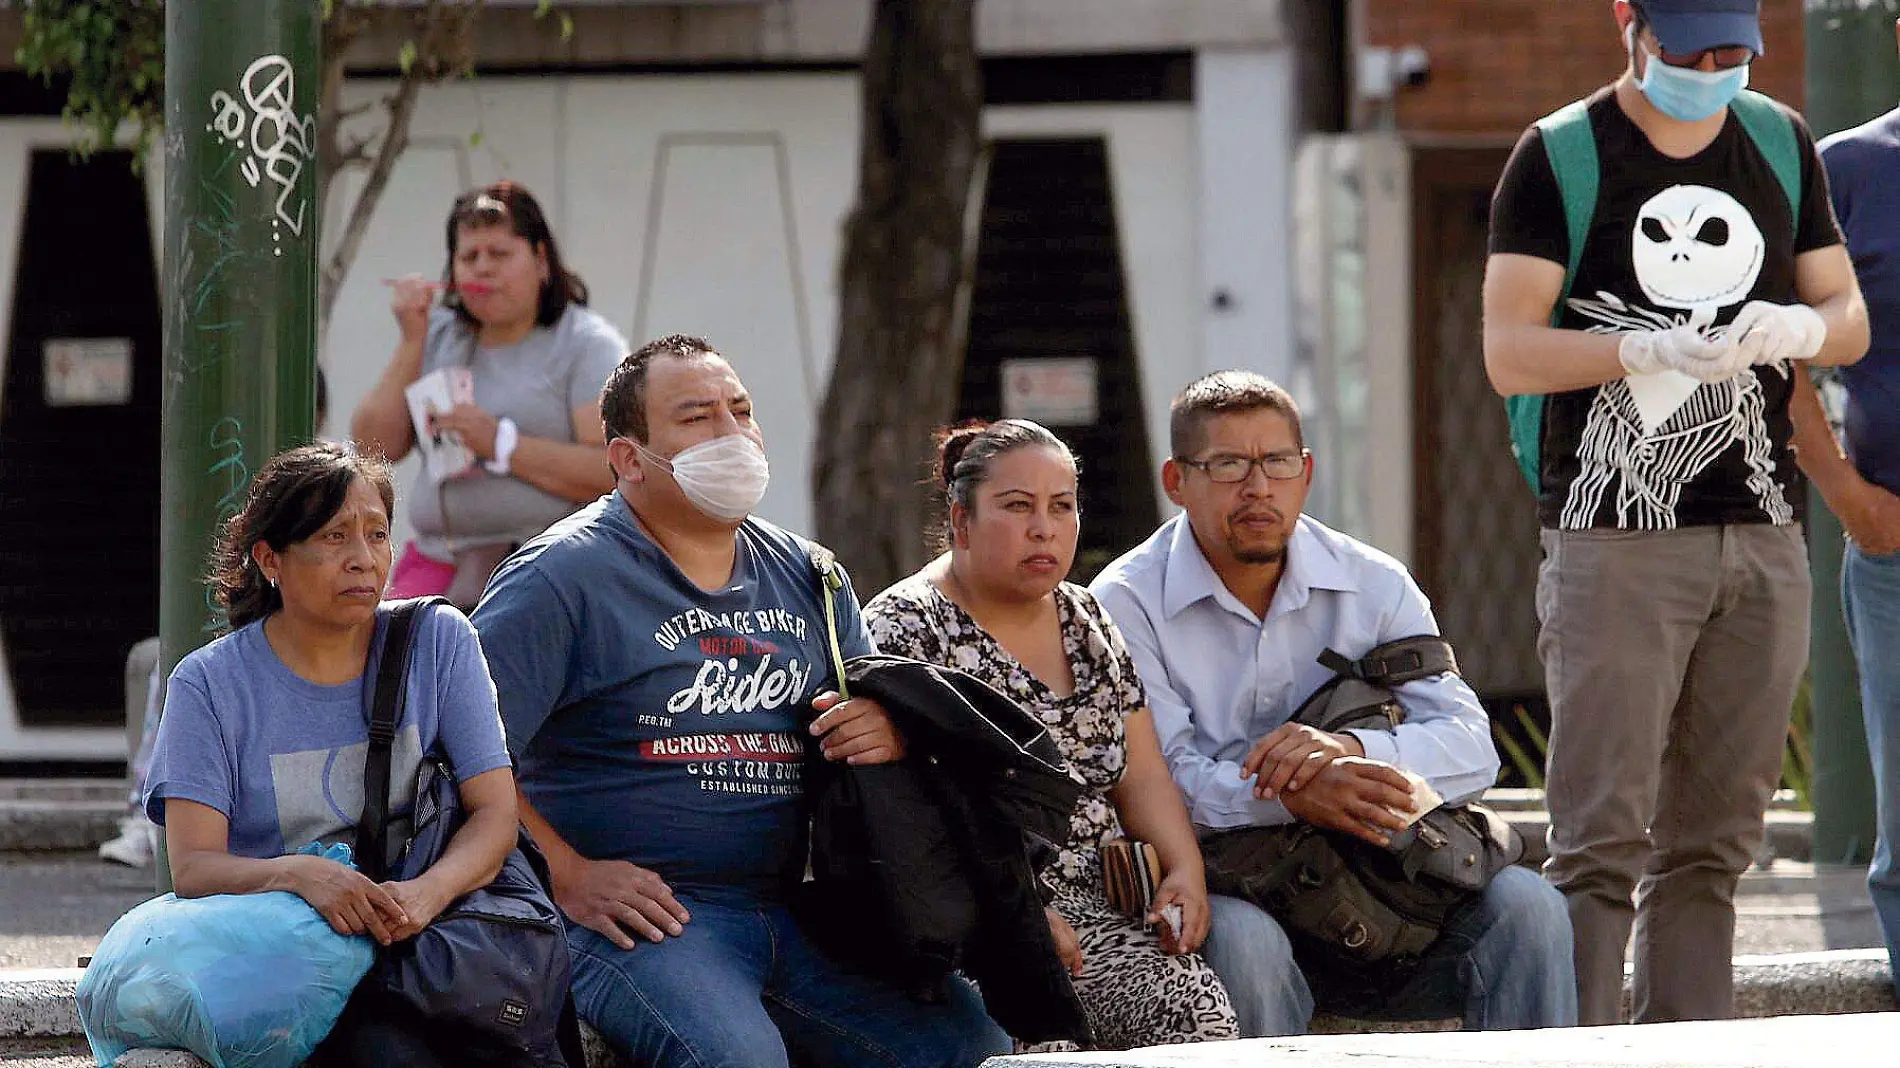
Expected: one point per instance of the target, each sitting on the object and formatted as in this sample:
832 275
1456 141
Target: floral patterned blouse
915 619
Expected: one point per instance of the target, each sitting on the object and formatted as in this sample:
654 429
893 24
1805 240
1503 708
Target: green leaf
475 139
406 58
542 8
567 26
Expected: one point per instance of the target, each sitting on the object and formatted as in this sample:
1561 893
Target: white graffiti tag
280 143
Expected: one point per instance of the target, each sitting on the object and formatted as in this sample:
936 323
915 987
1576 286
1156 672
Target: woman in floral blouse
996 606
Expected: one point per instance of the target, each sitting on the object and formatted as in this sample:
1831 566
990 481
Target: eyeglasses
1727 57
1281 467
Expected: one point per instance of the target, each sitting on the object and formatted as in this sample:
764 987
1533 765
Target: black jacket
922 867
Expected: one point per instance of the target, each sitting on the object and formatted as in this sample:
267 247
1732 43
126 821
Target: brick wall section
1499 65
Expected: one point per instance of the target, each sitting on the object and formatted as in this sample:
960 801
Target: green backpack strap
1571 147
830 582
1773 133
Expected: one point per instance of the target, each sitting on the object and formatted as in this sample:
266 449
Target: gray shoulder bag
1344 901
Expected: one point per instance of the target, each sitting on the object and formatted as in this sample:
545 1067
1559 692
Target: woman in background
515 317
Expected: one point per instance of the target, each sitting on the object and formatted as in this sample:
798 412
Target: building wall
607 33
1499 65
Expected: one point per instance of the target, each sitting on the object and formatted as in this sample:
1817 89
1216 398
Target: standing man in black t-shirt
1653 370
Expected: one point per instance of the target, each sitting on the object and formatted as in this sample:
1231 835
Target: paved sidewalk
1783 1042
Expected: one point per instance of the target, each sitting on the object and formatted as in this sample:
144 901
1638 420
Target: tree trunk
900 338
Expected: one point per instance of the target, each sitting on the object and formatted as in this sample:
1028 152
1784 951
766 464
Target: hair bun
951 443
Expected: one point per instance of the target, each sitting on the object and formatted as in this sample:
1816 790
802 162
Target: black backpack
1348 906
487 982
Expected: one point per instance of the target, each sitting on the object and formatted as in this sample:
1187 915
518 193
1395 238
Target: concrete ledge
89 789
41 824
1790 833
1838 981
1783 1042
1523 799
38 1003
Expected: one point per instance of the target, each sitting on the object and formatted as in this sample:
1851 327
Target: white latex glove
1770 333
1681 348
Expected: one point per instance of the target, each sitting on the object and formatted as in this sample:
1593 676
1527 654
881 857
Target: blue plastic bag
241 980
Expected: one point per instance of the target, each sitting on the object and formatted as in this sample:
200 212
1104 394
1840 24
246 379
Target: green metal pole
241 236
1853 74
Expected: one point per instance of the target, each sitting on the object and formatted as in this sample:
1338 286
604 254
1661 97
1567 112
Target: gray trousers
1672 659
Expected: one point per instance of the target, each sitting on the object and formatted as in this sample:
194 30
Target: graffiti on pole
276 143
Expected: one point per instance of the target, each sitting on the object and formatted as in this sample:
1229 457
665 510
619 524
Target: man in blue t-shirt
663 665
1863 487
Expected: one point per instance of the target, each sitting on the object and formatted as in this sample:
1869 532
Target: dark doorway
1049 321
1477 551
79 441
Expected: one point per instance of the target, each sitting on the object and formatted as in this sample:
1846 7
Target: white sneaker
135 844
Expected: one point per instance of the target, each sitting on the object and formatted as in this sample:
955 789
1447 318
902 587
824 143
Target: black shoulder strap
1397 662
385 712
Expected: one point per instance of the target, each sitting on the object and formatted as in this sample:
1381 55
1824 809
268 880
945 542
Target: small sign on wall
87 371
1058 392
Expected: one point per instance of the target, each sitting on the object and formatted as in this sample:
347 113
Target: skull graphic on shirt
1695 251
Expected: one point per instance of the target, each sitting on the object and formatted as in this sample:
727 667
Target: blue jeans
1504 964
1870 599
740 986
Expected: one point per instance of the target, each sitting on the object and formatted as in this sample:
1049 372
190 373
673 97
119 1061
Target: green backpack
1571 146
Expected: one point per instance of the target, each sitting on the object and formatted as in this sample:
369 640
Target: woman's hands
1186 887
346 897
420 901
410 302
474 423
1068 946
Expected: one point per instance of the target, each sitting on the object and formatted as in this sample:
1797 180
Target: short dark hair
510 204
623 400
292 497
1224 393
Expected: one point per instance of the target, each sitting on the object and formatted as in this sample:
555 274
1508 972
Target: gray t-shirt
537 382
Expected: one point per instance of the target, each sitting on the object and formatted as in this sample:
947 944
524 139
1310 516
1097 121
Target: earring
273 583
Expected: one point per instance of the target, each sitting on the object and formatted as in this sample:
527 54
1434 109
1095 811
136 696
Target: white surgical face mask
724 478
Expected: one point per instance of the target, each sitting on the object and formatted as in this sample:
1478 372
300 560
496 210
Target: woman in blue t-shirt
261 747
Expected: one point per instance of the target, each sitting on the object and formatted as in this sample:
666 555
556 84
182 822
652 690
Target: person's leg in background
1621 613
138 838
838 1018
1249 951
691 1001
1870 599
1722 764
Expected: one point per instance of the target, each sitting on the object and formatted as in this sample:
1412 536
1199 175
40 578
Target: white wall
714 204
705 204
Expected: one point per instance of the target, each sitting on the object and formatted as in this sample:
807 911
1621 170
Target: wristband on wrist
507 436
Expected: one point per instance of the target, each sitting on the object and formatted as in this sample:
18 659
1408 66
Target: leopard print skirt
1133 993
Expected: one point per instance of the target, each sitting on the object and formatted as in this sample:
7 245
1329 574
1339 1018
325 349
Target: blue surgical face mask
1686 94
